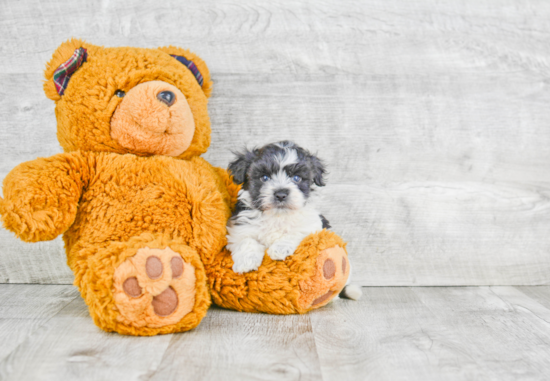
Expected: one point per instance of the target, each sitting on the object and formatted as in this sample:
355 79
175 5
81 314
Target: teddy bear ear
66 60
194 63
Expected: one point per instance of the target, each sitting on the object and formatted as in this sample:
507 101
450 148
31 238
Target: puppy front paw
279 251
243 263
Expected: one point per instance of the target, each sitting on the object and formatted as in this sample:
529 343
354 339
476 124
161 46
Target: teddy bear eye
297 179
120 93
264 178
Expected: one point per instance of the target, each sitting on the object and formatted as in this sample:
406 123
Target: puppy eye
296 179
120 93
264 178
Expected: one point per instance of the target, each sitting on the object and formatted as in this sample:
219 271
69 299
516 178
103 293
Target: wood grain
230 345
432 118
538 293
392 333
25 308
69 346
485 333
264 36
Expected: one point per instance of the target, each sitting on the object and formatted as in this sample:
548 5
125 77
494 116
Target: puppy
274 209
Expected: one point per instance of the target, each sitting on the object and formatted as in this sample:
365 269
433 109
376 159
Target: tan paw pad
330 277
154 288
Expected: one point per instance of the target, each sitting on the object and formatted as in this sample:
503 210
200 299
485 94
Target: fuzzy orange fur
116 204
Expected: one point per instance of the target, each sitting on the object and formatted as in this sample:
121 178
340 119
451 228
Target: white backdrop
433 116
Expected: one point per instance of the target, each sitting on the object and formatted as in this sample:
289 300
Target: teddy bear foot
148 285
330 276
154 288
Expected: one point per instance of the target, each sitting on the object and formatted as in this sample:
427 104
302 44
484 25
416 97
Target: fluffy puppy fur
273 212
274 209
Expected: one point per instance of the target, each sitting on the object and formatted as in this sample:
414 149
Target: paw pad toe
153 267
166 302
329 269
131 287
176 264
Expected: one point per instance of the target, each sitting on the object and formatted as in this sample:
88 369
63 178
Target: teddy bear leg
149 285
310 278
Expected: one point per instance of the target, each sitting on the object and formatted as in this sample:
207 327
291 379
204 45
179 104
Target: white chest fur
270 226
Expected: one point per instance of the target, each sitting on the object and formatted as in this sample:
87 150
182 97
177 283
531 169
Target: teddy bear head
130 100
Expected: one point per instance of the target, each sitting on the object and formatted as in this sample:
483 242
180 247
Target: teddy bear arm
41 196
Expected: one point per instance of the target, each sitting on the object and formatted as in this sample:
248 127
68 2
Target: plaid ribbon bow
63 73
191 66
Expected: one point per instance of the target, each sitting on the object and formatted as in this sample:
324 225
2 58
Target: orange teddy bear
143 216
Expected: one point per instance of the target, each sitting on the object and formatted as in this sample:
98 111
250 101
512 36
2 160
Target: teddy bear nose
166 97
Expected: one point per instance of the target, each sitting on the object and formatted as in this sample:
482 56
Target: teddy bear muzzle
153 118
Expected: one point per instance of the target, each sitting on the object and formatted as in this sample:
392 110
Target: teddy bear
142 214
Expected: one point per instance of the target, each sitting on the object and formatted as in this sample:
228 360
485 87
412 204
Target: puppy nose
166 97
281 194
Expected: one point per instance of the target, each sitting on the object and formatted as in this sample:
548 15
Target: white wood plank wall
433 117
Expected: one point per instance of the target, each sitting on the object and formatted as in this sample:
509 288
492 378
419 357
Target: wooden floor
393 333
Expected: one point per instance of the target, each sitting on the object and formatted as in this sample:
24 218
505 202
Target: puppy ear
318 170
239 166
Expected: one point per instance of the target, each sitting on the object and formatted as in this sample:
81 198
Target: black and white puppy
274 209
273 212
